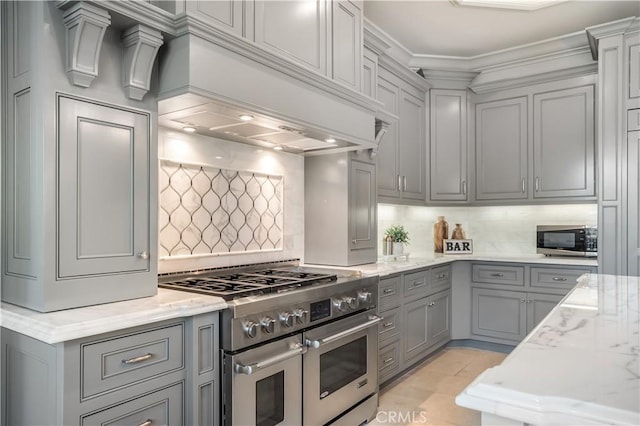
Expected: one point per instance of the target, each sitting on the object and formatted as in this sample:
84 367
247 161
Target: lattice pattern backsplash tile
207 210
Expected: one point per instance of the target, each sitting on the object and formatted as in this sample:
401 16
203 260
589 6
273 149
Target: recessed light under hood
225 122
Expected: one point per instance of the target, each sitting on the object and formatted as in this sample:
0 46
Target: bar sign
458 246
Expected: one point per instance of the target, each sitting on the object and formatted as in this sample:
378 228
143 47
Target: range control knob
352 302
250 328
268 324
340 304
364 296
286 319
301 315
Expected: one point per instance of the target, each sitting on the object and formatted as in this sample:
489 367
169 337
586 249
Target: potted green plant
399 236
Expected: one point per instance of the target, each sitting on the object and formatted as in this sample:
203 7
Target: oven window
342 366
270 400
560 239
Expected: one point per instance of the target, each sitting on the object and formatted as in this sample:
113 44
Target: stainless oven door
340 367
263 386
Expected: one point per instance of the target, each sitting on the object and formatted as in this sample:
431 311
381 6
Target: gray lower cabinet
508 301
416 311
509 315
162 373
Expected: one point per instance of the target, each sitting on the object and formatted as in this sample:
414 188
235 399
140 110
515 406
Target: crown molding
374 42
395 50
596 32
443 79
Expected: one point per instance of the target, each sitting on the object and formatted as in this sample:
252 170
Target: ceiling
440 27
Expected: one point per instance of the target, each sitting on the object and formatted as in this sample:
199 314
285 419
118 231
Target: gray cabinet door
448 145
501 150
296 31
226 14
499 314
369 73
388 92
539 306
415 331
103 195
362 208
439 317
564 144
633 210
347 43
412 146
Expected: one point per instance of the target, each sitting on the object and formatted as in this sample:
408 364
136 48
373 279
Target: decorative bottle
440 233
458 233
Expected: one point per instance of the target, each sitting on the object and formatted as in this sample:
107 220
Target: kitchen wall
508 230
217 153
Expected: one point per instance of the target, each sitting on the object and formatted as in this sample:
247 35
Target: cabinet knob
522 300
529 301
143 255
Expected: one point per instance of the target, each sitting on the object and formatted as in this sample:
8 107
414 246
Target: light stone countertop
579 366
389 267
70 324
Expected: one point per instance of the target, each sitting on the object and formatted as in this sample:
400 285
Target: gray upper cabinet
225 14
448 145
296 31
501 150
340 219
369 73
401 156
412 145
103 189
563 143
346 46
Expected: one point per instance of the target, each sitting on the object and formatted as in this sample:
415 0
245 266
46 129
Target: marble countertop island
579 366
70 324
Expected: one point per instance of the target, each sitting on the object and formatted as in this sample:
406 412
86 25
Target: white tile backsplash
244 205
494 229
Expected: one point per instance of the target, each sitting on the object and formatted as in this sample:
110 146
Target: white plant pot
398 248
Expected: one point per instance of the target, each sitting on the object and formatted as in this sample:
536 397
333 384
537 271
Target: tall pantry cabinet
618 54
79 203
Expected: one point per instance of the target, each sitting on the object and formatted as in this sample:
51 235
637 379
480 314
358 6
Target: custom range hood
228 88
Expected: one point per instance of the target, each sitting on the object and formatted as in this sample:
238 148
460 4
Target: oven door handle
373 319
297 349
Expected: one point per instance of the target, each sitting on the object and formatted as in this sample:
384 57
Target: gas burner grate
241 284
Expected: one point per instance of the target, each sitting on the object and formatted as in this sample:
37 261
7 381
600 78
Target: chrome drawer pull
387 291
387 324
388 360
497 274
416 285
137 359
146 423
441 276
559 279
143 255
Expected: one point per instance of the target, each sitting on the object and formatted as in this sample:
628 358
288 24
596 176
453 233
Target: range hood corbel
381 129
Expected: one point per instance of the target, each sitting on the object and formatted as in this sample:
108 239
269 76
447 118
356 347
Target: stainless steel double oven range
299 345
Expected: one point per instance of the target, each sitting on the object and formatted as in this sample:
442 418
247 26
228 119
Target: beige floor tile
426 395
441 407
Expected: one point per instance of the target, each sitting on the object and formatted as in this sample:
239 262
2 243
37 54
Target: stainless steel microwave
567 240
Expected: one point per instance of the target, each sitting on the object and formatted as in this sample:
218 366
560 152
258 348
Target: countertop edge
52 328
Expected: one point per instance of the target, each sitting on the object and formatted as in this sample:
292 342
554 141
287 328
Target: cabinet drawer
120 361
389 360
163 407
389 327
389 293
633 120
498 274
440 278
555 278
416 284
